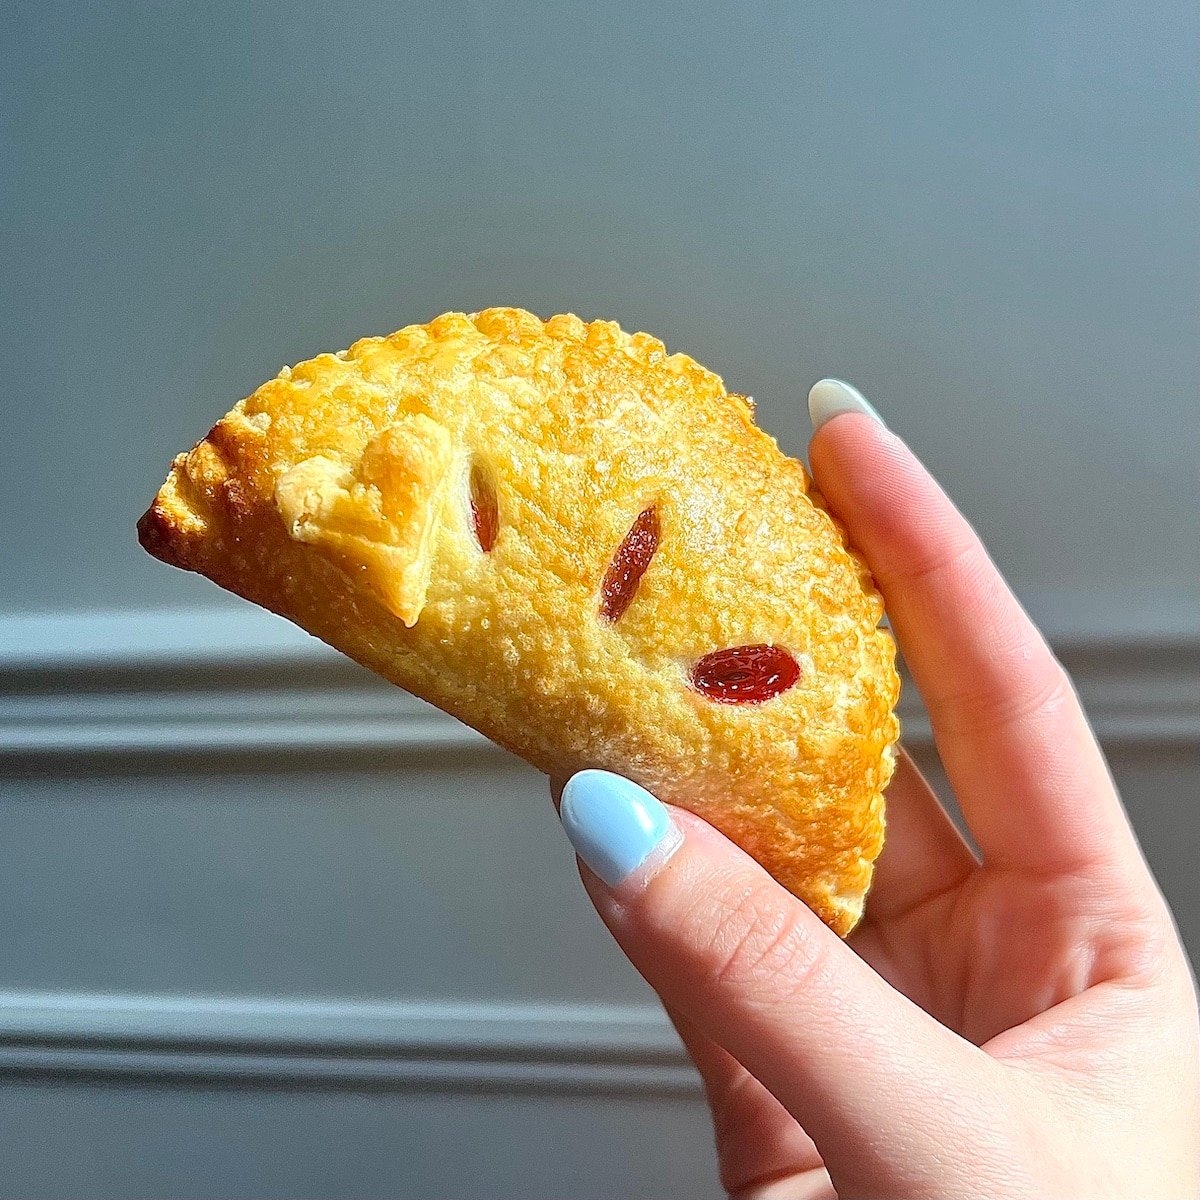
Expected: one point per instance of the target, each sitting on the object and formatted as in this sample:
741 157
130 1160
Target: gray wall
273 929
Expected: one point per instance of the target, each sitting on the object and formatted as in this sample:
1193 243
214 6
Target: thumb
881 1087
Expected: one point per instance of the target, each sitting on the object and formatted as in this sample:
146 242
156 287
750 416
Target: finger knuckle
1047 693
926 562
761 947
1040 691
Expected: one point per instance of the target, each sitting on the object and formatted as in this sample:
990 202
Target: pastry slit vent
485 511
744 674
628 565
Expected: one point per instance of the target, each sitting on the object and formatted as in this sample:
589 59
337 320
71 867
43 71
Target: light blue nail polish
830 398
614 824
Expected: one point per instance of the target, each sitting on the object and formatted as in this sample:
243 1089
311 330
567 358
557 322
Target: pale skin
1022 1024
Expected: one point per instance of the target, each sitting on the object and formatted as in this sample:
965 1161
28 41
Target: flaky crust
336 495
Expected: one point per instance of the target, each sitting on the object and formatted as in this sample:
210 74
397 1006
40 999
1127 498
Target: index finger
1017 748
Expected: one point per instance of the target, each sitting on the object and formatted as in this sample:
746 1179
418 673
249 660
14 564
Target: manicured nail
830 398
614 824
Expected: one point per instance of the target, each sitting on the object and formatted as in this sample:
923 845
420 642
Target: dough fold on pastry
379 516
339 496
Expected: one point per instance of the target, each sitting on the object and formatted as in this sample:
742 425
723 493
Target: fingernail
830 398
614 824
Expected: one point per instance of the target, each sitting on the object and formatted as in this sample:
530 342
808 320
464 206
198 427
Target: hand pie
583 547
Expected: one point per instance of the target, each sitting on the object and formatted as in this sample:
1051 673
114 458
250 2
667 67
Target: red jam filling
485 513
628 565
744 674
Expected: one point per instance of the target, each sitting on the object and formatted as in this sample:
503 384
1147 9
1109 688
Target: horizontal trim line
154 639
177 638
273 736
267 735
422 1028
322 1043
294 1071
129 685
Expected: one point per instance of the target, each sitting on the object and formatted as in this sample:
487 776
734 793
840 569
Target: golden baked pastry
583 547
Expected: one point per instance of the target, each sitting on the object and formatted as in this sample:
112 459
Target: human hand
1024 1025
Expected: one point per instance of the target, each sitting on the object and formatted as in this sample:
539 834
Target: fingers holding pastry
924 855
753 970
1004 712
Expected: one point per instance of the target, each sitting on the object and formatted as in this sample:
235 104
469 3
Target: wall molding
217 682
133 686
326 1043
